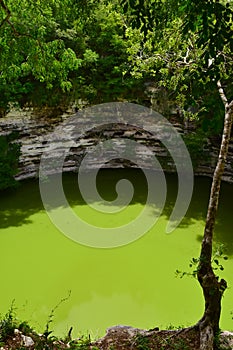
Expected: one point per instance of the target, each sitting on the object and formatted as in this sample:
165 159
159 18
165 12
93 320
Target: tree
197 60
39 47
55 52
214 23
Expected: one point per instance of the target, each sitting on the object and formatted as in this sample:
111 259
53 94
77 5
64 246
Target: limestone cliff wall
34 135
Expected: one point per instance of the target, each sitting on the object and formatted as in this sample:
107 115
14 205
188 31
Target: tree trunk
213 289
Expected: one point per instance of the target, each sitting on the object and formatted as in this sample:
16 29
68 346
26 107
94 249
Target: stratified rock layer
34 134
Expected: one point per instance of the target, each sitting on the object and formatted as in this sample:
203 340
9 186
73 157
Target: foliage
217 259
8 324
34 50
55 52
196 65
47 331
173 327
9 157
176 54
196 144
142 342
83 343
150 14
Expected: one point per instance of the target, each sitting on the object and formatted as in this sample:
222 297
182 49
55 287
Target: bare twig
51 315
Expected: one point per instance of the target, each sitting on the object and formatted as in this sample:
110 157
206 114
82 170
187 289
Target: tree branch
7 18
222 93
8 13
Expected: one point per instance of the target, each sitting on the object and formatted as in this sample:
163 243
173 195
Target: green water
132 285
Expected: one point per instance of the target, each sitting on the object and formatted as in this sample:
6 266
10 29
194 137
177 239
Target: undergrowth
13 333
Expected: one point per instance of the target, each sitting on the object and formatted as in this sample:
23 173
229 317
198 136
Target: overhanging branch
7 18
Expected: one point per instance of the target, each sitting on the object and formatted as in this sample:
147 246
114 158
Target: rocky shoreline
118 338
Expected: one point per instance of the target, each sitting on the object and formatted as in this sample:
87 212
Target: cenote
132 285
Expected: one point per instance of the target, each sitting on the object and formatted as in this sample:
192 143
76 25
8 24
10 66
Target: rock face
34 134
31 135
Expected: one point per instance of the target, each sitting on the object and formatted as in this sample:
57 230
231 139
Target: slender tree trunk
213 289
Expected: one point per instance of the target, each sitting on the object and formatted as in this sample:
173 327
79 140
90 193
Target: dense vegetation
54 52
15 334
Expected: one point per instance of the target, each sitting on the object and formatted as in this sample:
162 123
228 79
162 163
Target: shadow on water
198 208
16 206
223 229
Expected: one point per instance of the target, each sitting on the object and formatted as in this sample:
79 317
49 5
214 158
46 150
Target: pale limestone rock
27 341
226 340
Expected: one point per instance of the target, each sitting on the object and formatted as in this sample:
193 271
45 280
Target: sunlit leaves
218 256
62 45
112 45
90 56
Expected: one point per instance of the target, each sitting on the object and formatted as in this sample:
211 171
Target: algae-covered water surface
133 285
